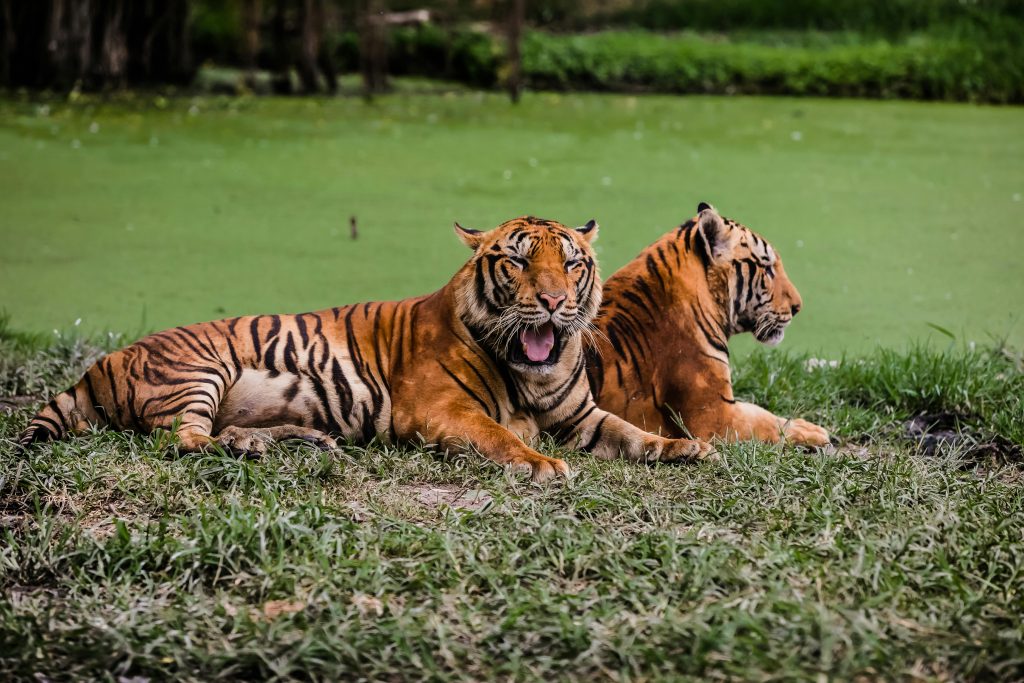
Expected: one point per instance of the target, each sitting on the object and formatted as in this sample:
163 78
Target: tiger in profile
665 321
484 364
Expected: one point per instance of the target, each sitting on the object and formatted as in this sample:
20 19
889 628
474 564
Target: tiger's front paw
676 450
540 468
803 433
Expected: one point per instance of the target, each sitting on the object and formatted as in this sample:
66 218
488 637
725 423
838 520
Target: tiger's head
747 273
531 287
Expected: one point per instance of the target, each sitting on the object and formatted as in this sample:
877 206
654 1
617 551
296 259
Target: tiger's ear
471 238
588 231
715 231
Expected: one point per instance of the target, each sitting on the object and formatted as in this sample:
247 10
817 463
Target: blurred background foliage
923 49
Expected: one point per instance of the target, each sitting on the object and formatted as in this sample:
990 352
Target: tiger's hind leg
190 410
197 410
253 441
743 421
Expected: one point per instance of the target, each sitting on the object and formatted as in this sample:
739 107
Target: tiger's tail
68 412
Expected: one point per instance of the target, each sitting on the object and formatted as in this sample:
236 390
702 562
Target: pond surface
144 212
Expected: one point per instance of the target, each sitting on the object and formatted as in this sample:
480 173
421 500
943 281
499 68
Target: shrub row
920 67
887 17
972 66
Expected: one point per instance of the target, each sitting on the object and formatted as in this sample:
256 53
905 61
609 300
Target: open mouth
537 346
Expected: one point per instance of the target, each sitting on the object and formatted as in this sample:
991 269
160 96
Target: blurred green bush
920 66
952 65
887 17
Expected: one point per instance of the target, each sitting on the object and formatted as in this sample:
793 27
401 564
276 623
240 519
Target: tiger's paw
540 468
321 441
679 450
251 443
803 433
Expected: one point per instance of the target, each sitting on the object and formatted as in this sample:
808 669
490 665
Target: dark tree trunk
81 38
282 78
514 83
252 12
327 19
373 54
113 50
56 45
8 40
309 46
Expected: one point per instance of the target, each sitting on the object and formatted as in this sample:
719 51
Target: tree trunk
327 19
114 51
373 54
282 78
56 45
81 38
309 46
8 41
251 16
514 84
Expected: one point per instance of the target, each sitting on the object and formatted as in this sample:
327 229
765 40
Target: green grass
891 216
120 559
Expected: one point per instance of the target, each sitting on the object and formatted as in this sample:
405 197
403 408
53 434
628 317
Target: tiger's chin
770 332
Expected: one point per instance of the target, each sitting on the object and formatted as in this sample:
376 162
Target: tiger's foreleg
608 436
466 429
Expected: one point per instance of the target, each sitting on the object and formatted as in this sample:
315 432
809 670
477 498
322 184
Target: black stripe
652 269
268 360
466 388
342 388
92 394
325 403
107 368
486 385
234 356
56 431
595 438
702 249
257 345
52 405
290 355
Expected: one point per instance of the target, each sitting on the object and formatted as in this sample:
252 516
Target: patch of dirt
276 608
456 497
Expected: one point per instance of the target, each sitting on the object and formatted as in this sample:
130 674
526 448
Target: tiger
485 364
661 358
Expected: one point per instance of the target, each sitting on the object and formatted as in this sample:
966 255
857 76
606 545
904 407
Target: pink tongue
538 342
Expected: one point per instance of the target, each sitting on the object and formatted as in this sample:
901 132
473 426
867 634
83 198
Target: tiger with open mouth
492 358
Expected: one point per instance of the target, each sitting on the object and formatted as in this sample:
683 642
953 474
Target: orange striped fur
491 359
662 355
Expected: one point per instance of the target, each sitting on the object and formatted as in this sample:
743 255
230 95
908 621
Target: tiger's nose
795 308
551 301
